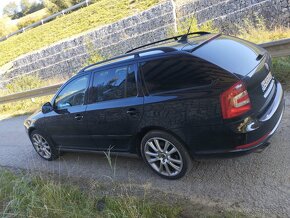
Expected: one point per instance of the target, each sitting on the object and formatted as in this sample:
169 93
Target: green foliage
24 83
281 70
32 18
100 13
258 31
183 27
28 7
91 51
28 106
51 7
10 9
23 107
25 6
57 5
6 26
32 196
194 27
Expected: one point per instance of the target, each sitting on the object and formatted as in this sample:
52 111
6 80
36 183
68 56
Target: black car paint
193 115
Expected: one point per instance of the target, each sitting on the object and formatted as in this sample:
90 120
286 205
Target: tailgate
247 61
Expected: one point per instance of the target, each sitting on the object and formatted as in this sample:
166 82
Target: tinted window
73 93
114 84
169 74
235 55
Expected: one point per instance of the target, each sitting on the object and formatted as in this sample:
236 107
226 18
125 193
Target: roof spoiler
180 38
206 41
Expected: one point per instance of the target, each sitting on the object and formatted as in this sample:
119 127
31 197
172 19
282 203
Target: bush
32 18
54 6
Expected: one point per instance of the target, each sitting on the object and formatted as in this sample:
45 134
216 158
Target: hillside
95 15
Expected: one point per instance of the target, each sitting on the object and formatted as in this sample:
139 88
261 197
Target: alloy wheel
163 156
41 146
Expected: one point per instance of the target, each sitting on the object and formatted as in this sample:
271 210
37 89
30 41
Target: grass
24 107
100 13
27 106
32 196
27 195
259 33
281 70
32 18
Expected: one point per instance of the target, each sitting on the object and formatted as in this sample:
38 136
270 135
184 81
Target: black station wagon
171 101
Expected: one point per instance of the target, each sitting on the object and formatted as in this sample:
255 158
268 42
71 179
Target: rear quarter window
176 73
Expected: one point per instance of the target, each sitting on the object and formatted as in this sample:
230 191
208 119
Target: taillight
235 101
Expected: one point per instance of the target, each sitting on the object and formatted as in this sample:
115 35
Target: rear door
115 108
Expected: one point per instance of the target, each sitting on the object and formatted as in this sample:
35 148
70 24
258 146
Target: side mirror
47 107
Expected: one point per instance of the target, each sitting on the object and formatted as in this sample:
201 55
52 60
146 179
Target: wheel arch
30 130
143 131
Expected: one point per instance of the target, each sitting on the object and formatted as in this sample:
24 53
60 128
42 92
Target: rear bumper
257 139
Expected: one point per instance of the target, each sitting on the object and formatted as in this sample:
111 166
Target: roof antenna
184 37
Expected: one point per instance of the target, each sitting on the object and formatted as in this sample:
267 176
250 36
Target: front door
115 109
67 123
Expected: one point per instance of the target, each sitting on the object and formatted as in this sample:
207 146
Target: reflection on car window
73 94
169 74
114 84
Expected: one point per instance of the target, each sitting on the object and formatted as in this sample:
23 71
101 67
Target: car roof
186 42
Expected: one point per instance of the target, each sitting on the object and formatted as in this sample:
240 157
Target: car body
214 94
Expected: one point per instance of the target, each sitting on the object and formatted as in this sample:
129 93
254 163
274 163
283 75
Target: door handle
132 111
79 117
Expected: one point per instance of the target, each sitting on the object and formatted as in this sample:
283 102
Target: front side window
113 84
73 94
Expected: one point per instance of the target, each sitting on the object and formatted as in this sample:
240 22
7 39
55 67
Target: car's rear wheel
165 155
43 146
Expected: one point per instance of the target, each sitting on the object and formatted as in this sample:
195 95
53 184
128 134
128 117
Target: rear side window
113 84
170 74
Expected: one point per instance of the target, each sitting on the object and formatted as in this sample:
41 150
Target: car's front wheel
165 154
43 146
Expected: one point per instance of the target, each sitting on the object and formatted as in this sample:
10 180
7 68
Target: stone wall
68 56
227 14
65 58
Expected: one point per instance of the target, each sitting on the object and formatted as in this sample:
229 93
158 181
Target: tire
43 145
165 155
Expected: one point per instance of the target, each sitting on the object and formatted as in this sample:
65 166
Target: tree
36 6
25 6
10 9
57 5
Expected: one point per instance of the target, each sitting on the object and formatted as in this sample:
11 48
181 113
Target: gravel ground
257 183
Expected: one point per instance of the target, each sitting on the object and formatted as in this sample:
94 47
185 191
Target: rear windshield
232 54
